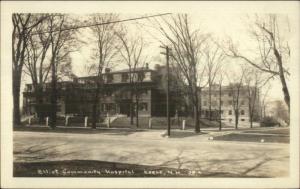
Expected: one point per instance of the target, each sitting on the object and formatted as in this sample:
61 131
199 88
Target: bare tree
105 52
272 53
213 57
131 52
235 88
253 81
220 98
263 101
62 43
23 24
137 91
36 67
178 90
186 45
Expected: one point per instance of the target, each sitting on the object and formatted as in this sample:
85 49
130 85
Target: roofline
116 72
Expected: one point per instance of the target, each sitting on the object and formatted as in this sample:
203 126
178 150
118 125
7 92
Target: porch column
117 108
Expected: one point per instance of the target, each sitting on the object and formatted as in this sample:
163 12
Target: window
242 102
111 107
242 112
109 78
229 94
58 108
125 95
230 112
242 119
141 76
143 106
124 77
81 81
214 103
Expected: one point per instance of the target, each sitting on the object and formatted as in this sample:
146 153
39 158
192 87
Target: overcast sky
221 26
222 19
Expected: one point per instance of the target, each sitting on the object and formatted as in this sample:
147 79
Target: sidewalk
254 134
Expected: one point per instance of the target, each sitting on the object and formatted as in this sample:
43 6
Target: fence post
150 123
108 120
85 121
183 124
47 121
67 120
29 121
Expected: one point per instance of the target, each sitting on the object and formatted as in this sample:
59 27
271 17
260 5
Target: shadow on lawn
220 167
183 134
79 130
112 131
244 137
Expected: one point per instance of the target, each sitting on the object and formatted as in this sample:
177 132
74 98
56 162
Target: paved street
184 150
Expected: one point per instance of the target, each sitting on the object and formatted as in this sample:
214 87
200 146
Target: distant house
278 110
76 97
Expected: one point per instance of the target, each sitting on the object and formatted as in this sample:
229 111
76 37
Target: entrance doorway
125 107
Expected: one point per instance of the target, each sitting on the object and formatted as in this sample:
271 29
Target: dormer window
124 77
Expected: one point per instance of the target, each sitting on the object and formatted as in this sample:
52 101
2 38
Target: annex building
230 98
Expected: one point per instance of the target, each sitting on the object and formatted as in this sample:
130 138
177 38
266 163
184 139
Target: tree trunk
95 105
16 100
209 99
196 114
39 103
94 114
282 78
197 124
236 112
200 104
220 107
53 95
131 107
137 113
94 117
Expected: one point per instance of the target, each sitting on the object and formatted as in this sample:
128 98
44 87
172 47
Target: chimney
147 66
107 70
157 67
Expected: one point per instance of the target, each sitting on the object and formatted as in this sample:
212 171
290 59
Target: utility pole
168 88
220 106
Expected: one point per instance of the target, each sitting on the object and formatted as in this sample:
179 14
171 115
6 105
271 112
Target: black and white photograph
198 94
